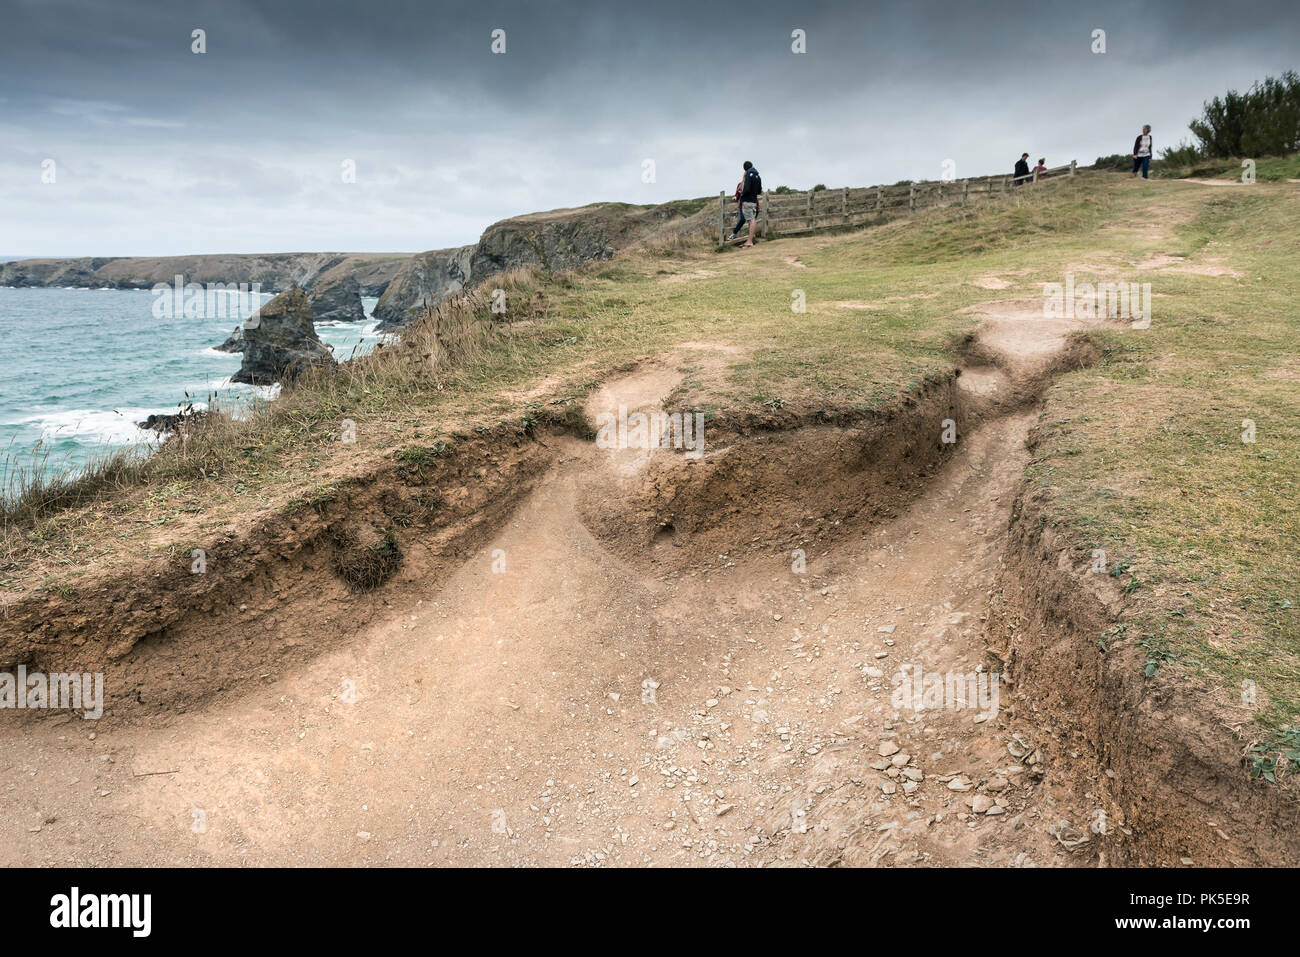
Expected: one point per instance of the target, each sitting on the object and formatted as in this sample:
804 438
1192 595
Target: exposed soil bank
1169 777
287 585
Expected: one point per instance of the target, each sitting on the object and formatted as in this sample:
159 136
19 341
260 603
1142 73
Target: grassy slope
1268 169
1142 455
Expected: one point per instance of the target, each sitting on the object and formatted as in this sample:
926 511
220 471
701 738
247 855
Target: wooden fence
806 211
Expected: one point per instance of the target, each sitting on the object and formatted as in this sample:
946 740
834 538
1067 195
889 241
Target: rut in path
554 704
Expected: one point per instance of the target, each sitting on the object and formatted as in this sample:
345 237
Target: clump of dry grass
33 487
366 564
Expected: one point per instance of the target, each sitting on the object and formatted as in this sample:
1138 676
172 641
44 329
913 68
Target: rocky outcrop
556 240
552 246
234 342
331 300
427 277
164 422
280 341
336 300
273 272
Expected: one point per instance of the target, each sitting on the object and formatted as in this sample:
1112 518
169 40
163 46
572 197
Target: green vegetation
1263 121
1152 458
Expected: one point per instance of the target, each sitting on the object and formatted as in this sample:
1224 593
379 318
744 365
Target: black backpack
753 182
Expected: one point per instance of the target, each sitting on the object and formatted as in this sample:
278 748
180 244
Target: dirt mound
778 491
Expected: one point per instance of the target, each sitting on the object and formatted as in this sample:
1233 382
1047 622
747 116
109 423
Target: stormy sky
158 150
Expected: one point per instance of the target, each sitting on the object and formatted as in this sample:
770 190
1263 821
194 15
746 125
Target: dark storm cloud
160 150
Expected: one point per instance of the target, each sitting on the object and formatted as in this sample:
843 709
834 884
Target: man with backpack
751 188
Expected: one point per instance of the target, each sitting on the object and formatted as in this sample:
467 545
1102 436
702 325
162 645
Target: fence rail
806 211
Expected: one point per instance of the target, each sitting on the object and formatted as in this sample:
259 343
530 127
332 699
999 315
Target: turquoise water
82 366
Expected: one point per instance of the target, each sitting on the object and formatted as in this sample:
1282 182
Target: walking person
1142 152
751 190
740 212
1022 169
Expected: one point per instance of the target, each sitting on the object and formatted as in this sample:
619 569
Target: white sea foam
113 425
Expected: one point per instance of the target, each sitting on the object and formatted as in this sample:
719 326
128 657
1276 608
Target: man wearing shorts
751 189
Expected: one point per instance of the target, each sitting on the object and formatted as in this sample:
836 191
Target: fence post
1072 165
880 201
722 217
1035 179
807 210
844 205
965 191
765 217
911 199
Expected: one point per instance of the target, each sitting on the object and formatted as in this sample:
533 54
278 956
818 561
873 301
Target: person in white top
1142 153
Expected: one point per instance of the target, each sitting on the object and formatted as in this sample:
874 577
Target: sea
81 367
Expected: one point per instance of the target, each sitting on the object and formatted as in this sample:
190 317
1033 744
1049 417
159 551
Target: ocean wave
114 425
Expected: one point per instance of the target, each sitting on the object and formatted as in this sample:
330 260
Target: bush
1121 161
1184 154
1263 121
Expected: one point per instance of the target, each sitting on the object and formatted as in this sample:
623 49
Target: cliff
432 275
556 240
275 271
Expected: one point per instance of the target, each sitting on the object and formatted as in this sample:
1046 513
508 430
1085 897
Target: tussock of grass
34 488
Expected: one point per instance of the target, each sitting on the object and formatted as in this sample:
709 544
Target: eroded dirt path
553 705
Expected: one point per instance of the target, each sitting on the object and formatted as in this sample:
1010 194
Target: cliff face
556 240
275 272
336 300
279 341
428 276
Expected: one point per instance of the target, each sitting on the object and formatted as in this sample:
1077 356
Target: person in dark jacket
1022 169
751 188
1142 153
740 211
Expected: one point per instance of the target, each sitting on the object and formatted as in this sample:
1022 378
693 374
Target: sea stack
280 341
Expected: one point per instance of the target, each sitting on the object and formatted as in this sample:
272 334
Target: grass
1269 169
1141 457
1146 457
